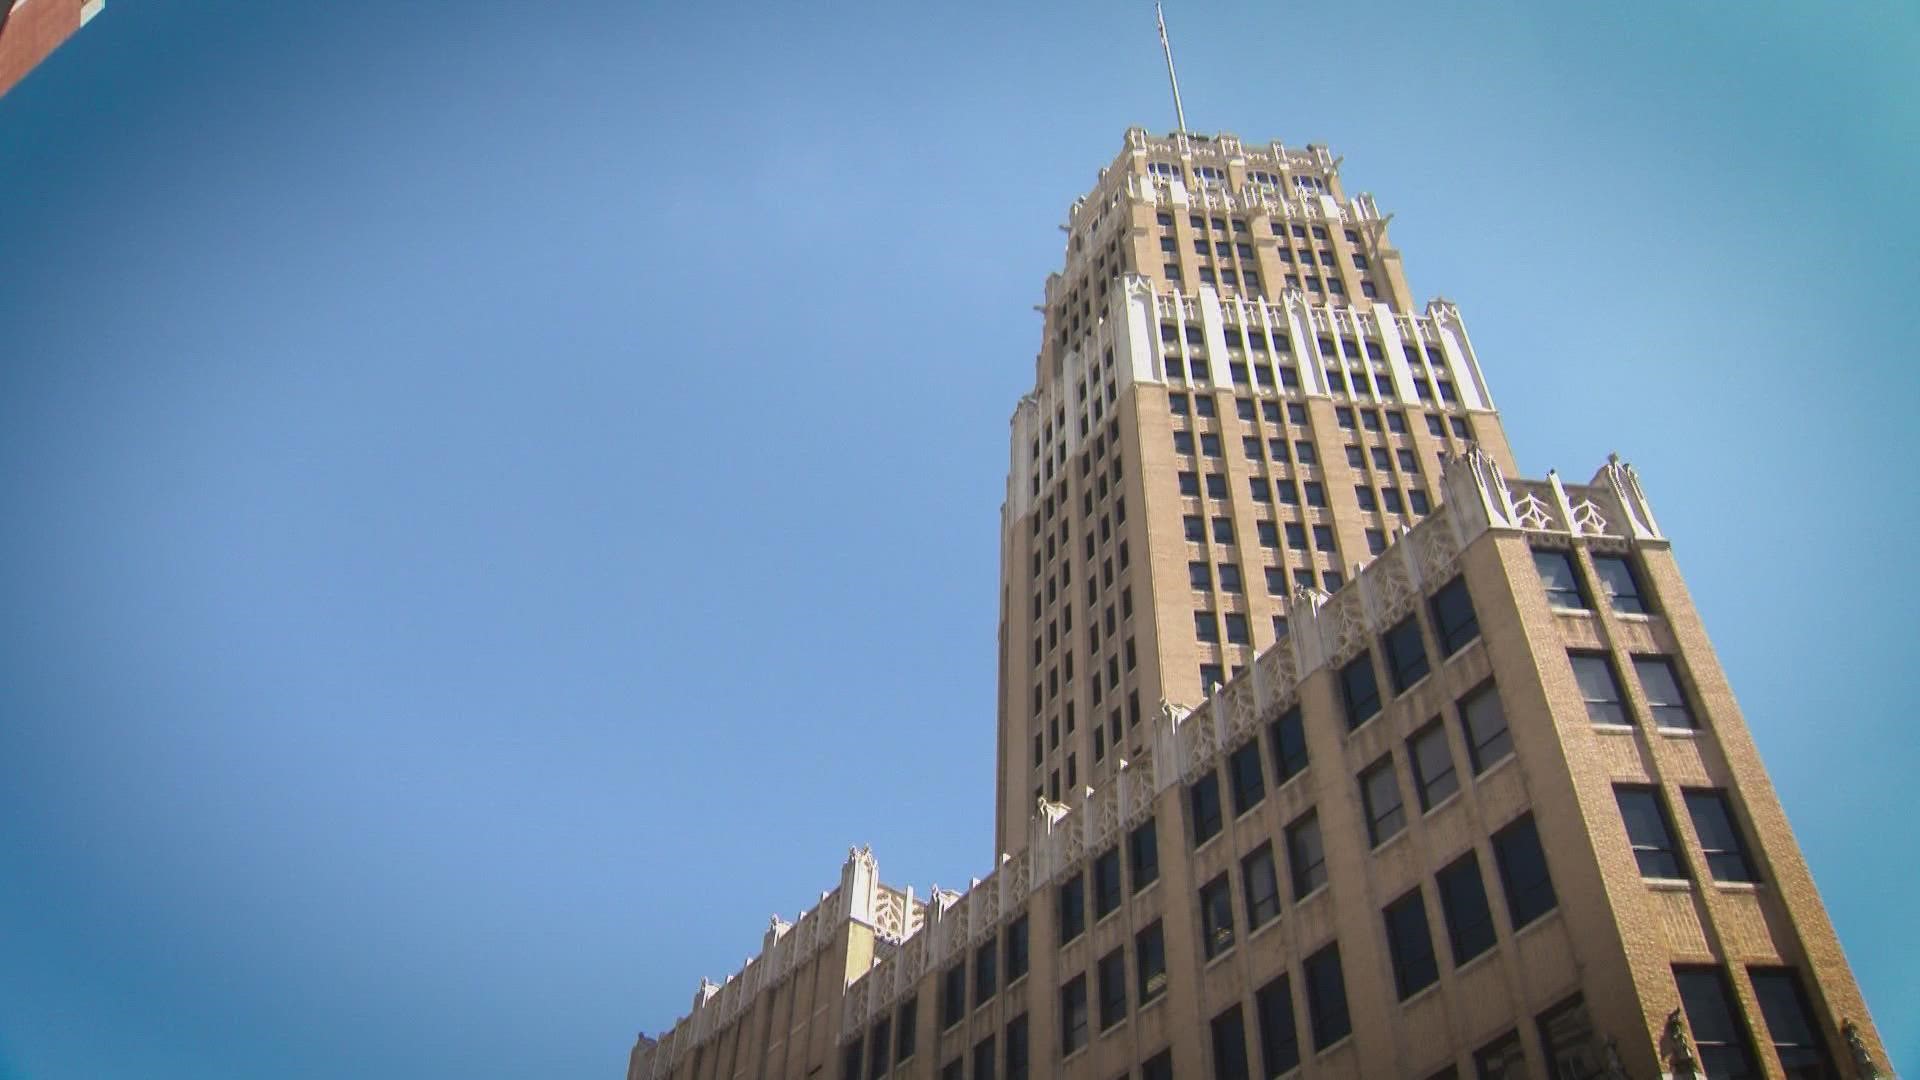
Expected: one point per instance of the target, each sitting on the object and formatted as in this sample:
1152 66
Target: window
1567 1035
1203 802
1249 782
1196 528
1303 452
1323 538
1484 720
1316 494
1017 1048
1183 442
1237 633
1016 945
1190 484
1260 886
1667 701
1073 908
1216 916
1359 690
1306 856
1406 654
1598 688
1150 962
1229 1046
1463 900
1719 837
1417 500
1106 883
1791 1026
1143 855
1269 533
1296 536
1073 1015
1289 738
955 1069
1158 1067
878 1046
1380 791
1216 486
1523 872
985 972
1203 405
1279 1038
849 1065
1327 997
1376 540
1560 580
1649 831
1199 575
983 1059
1453 619
1433 776
1719 1037
1410 945
1112 972
1622 587
1229 577
1210 445
909 1013
1501 1059
953 994
1206 626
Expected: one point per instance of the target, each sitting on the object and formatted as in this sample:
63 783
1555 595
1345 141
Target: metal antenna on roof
1179 114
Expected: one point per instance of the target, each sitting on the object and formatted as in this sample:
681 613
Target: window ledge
1613 729
1152 1002
1739 886
1076 1052
1243 815
1208 842
1390 841
1144 889
1496 767
1426 991
1668 884
1115 1026
1415 684
1544 918
1486 956
1680 733
1103 918
1311 894
1337 1044
1634 616
1263 928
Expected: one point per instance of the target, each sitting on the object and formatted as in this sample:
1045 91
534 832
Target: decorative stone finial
1679 1049
1864 1066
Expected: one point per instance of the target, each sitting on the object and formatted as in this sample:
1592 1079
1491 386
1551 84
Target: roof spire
1179 114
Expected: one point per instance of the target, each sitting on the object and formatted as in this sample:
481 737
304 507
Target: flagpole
1179 114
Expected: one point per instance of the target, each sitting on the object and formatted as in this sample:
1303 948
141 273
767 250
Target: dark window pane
1359 689
909 1022
1216 917
1106 883
1620 584
1289 738
1523 872
1113 988
1380 791
1501 1059
1453 618
1661 684
1406 653
1143 855
1017 1052
1326 997
1150 962
1567 1035
1016 943
1719 837
1598 688
1485 721
1791 1026
985 972
1432 761
1073 1014
1158 1067
1249 782
983 1059
1649 832
1719 1038
1279 1037
1411 945
878 1046
1203 802
1306 857
1463 899
1560 580
1229 1046
1260 885
953 994
1073 908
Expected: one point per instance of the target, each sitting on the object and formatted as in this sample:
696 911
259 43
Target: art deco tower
1236 395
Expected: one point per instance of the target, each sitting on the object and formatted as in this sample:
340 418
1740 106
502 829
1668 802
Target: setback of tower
1461 789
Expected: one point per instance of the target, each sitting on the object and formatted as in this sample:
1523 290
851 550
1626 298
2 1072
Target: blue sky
500 496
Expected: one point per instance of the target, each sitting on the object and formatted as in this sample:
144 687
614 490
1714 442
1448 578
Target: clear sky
499 496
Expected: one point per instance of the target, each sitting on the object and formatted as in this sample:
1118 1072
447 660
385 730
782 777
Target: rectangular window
1260 886
849 1065
1410 944
983 1059
1719 837
1327 997
1463 900
1200 576
1406 654
1017 1048
1359 690
953 994
1237 633
1229 1046
1567 1035
1380 791
1190 484
1206 626
1560 580
1249 782
1143 855
1433 775
909 1017
1216 916
955 1069
1289 739
1216 486
1306 856
1073 1015
1661 683
1791 1025
1230 578
1203 803
1598 688
1621 585
1158 1067
1523 872
1453 619
1719 1038
1016 945
879 1046
1106 883
1279 1036
1649 832
1501 1059
1150 962
1112 971
1484 720
986 972
1073 908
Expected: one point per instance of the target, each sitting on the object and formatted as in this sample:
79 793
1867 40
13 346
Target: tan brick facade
31 29
1485 807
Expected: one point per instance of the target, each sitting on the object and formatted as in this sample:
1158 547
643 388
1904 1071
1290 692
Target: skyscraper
31 29
1325 742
